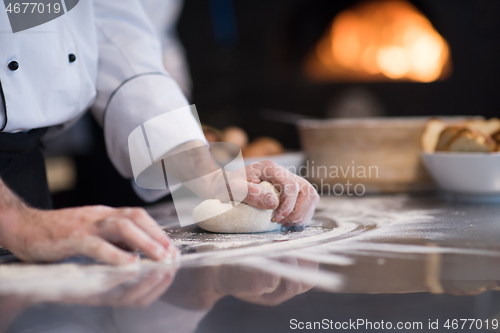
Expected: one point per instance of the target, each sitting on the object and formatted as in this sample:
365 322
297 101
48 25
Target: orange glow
380 40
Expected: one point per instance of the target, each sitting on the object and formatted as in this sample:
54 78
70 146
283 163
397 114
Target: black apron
22 167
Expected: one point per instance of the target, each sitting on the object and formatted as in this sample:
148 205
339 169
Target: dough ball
240 219
263 146
235 135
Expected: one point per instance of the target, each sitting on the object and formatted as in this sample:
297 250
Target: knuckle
101 208
124 211
292 188
78 235
121 223
254 165
138 212
309 191
253 191
106 223
80 217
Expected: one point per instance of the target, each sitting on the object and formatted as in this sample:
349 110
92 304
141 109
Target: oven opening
380 41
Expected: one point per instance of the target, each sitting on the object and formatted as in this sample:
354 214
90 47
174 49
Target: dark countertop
401 258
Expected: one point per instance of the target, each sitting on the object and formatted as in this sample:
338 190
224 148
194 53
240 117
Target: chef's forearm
11 208
192 160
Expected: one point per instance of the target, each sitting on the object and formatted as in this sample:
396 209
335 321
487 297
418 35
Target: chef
103 55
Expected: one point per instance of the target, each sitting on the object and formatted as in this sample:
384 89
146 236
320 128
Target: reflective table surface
375 263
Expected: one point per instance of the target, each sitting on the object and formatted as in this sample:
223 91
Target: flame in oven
380 40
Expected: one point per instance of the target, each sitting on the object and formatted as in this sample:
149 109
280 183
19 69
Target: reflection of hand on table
463 275
260 287
100 285
88 285
139 291
199 288
11 306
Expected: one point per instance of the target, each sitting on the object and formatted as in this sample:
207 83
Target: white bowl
465 173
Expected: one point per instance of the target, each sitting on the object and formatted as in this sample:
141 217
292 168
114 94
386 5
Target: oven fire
379 41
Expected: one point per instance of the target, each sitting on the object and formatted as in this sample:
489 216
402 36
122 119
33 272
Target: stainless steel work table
399 258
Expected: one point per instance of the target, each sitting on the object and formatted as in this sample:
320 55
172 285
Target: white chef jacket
118 72
164 15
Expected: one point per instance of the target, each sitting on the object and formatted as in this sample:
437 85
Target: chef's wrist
12 211
11 220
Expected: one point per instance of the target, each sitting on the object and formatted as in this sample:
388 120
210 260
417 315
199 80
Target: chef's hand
298 198
297 201
93 231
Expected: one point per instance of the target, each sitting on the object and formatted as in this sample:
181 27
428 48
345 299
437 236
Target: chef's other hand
298 198
93 231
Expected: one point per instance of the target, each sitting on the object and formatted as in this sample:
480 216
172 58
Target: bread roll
211 134
235 135
486 127
447 136
496 137
431 134
468 140
263 146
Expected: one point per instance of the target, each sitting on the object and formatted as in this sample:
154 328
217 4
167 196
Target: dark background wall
246 56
